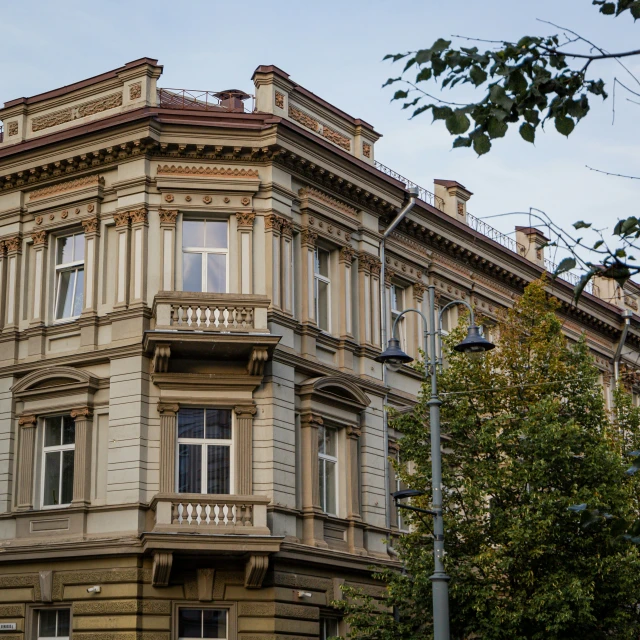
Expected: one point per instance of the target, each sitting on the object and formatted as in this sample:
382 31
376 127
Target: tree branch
616 175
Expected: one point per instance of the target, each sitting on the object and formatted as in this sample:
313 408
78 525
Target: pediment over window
335 390
54 381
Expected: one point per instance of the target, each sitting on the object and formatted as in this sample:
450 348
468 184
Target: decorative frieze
304 119
337 138
366 150
70 185
75 112
329 229
12 128
207 172
279 100
310 192
135 91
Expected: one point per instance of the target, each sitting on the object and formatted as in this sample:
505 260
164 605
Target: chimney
533 241
451 197
232 99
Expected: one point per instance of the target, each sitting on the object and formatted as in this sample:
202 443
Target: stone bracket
161 355
161 571
255 570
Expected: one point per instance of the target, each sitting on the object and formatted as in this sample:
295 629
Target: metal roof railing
195 99
424 194
497 236
571 278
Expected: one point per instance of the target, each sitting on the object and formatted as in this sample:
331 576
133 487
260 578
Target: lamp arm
472 319
395 322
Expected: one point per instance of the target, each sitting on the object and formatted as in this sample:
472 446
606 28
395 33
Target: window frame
323 635
229 607
205 251
32 619
59 269
52 449
230 443
318 277
395 312
323 459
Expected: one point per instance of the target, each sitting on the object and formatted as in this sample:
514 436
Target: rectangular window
204 451
205 256
322 289
327 469
53 623
202 623
69 289
399 486
328 628
58 455
397 307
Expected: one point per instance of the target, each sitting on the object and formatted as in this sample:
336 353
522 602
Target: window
59 450
328 628
69 276
322 292
327 463
54 623
399 486
204 256
204 451
397 307
202 623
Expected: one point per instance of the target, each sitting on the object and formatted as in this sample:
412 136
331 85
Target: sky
335 49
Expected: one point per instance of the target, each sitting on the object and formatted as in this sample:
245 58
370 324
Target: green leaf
457 122
499 96
440 45
441 113
608 8
400 94
581 225
461 141
565 265
598 244
497 128
481 144
477 75
425 74
564 125
424 55
390 81
528 132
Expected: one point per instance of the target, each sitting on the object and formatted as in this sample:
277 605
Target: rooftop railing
490 232
424 194
571 278
194 99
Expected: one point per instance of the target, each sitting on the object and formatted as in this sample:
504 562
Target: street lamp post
394 358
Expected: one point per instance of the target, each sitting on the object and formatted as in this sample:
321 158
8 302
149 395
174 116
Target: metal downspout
413 194
626 314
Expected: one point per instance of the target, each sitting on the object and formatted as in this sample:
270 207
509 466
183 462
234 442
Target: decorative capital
122 219
90 225
389 275
353 432
82 413
168 216
287 227
27 421
245 219
311 420
376 266
168 408
309 237
273 222
138 216
245 411
419 289
347 254
39 238
13 245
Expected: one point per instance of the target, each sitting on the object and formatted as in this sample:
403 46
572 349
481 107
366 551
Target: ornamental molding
70 185
366 150
329 229
403 268
39 238
12 128
325 198
279 100
244 219
82 413
168 216
82 110
135 91
327 132
206 172
138 216
90 225
336 137
304 119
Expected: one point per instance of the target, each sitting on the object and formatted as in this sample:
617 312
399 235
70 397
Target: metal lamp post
394 358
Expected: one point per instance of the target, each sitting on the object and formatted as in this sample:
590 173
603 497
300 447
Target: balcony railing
572 278
221 312
211 513
490 232
194 99
424 194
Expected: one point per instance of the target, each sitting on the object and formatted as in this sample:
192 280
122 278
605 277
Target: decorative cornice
244 219
207 172
310 192
70 185
39 238
403 269
168 216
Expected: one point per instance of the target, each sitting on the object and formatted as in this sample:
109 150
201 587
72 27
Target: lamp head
406 493
394 357
474 342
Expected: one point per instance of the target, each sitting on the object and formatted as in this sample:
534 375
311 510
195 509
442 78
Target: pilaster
244 449
83 417
39 238
122 259
286 251
313 524
273 229
139 258
91 228
308 242
168 439
347 254
168 219
27 425
244 224
14 249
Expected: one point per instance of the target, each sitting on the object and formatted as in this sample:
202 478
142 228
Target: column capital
347 254
91 226
122 219
419 289
168 217
27 421
389 275
245 411
309 237
353 432
13 244
310 419
168 408
244 219
39 238
287 228
82 413
272 222
365 260
138 216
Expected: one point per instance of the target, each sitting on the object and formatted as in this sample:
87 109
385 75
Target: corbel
255 570
257 360
161 572
161 355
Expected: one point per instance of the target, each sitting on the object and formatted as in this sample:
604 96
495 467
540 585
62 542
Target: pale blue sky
335 50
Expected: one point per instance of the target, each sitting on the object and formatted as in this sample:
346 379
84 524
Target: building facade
192 430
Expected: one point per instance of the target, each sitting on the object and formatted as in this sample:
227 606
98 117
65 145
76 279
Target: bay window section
58 454
322 288
205 255
204 451
69 285
327 469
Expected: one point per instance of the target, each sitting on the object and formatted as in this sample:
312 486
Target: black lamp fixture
394 357
475 342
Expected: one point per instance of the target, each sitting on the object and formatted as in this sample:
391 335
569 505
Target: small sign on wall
7 626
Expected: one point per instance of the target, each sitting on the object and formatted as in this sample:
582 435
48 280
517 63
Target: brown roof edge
451 183
54 93
530 231
270 68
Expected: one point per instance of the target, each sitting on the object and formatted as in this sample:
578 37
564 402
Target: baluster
174 314
225 511
207 511
248 516
189 513
216 511
189 315
207 315
180 510
216 316
234 514
225 317
198 316
198 514
250 317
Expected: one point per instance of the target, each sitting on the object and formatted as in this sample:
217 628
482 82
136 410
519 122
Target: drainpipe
413 194
626 314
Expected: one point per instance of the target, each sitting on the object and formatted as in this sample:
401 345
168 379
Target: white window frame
318 277
74 265
323 459
53 449
396 291
205 442
205 251
226 610
57 610
324 632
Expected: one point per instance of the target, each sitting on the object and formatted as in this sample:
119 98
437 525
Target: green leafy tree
527 438
525 84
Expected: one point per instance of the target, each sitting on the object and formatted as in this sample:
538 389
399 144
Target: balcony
208 513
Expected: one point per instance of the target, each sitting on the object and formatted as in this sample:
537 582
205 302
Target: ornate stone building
192 421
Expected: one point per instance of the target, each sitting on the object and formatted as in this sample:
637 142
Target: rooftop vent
232 99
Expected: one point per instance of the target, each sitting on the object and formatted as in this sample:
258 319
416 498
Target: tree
528 437
525 84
